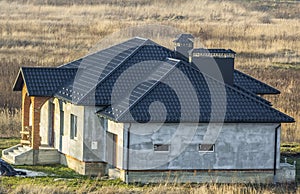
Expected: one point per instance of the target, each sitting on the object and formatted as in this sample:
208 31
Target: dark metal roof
245 81
146 60
42 81
96 67
249 83
106 78
240 107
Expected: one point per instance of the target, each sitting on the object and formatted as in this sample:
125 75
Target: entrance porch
30 151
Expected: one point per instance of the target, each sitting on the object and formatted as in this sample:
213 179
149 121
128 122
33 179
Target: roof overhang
19 82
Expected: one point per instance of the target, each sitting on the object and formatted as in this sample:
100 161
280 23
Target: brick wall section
37 103
25 108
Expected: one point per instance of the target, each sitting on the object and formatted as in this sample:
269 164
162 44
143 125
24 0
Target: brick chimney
183 43
213 62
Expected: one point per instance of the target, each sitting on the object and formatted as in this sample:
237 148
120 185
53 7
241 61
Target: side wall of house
62 139
237 146
115 150
73 147
94 140
84 153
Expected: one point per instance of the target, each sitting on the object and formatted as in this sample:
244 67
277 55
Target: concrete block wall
86 153
237 146
84 168
117 129
200 176
286 173
48 156
94 137
72 147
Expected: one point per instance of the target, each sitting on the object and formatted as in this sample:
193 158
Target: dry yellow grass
265 36
10 122
157 189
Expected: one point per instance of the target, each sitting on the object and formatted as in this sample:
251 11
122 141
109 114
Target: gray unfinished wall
89 145
94 140
72 147
237 146
117 129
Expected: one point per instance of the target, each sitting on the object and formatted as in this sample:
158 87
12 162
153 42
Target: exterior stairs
24 155
18 155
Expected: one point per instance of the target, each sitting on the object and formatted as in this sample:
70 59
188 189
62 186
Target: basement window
161 147
73 132
206 147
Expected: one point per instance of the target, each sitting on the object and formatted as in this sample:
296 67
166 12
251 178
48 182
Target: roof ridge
151 88
113 70
89 54
256 80
41 67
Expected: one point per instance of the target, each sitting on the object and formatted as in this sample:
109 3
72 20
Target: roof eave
19 81
268 93
131 121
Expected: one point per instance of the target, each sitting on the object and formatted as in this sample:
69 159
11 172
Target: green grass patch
290 148
56 170
8 142
65 179
291 66
73 184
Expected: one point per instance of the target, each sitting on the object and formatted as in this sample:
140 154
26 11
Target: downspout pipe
128 147
275 153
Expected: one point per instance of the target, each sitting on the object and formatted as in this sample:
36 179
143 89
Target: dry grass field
265 35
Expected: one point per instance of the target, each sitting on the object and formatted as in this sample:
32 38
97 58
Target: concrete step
8 158
22 149
18 155
13 154
17 151
26 147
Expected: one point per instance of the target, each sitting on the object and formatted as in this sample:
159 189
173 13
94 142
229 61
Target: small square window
206 147
161 147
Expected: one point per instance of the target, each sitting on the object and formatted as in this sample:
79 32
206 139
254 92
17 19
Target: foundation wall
201 176
84 168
